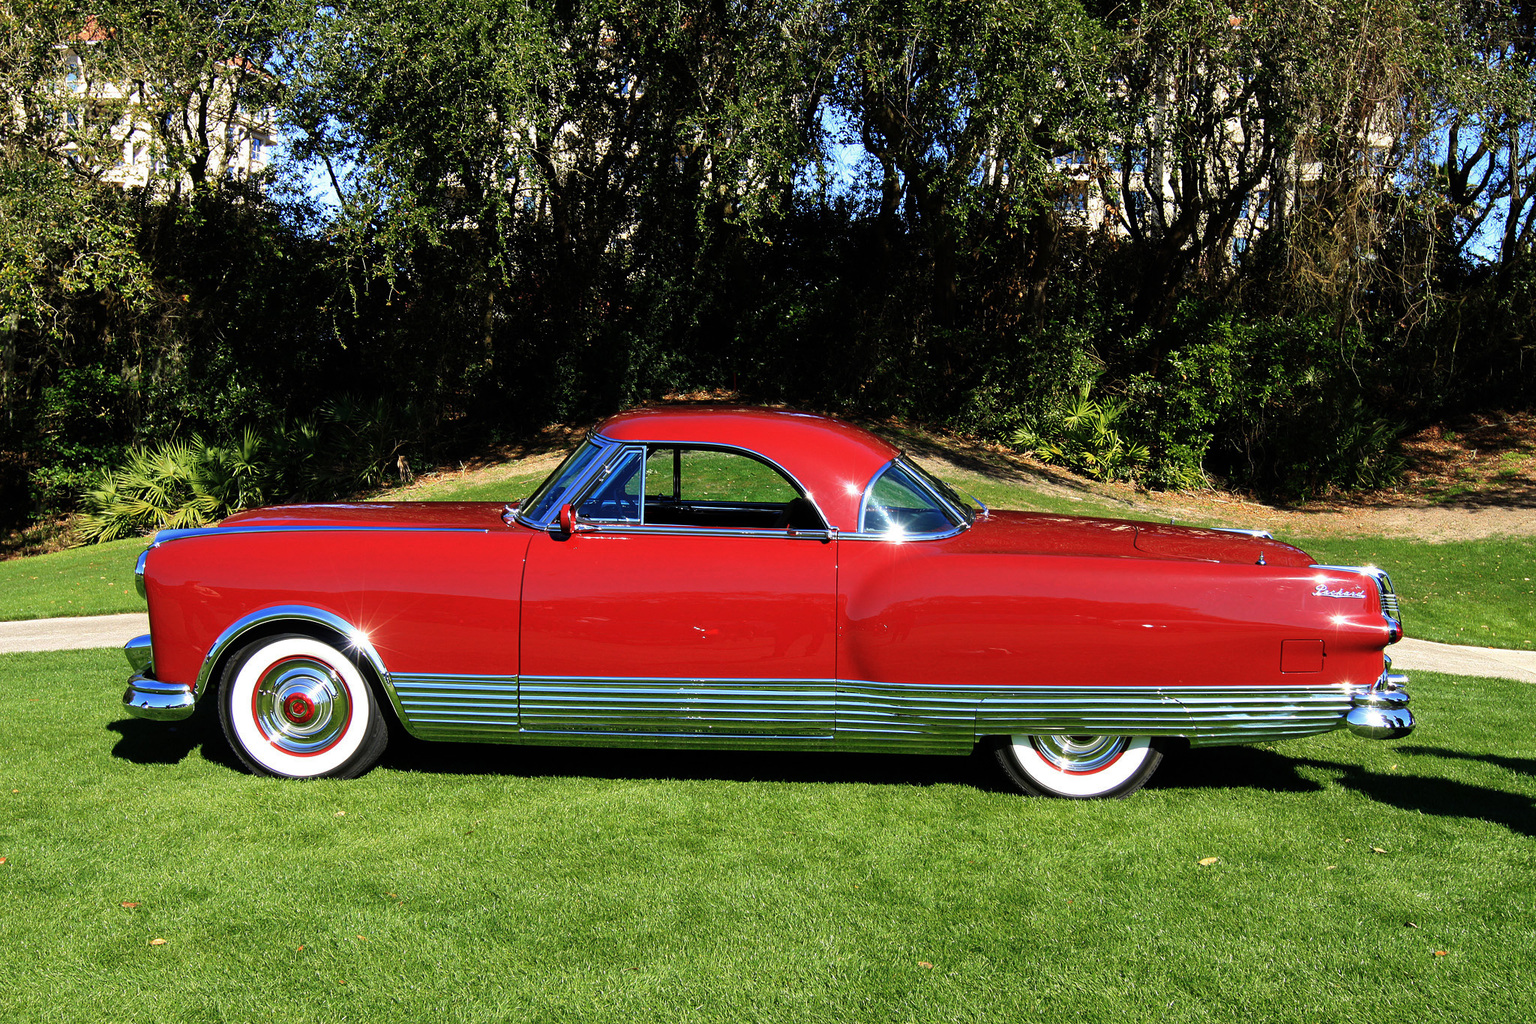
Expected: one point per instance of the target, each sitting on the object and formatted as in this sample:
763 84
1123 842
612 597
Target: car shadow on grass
1446 798
412 755
1522 765
142 741
1231 768
1222 768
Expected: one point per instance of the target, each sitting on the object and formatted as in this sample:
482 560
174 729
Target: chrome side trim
457 707
1250 714
1256 534
139 653
719 708
820 714
138 572
166 536
353 639
913 719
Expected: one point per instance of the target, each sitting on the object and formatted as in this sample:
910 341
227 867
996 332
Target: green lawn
1355 881
92 580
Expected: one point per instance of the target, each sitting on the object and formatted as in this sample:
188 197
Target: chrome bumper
1380 711
148 697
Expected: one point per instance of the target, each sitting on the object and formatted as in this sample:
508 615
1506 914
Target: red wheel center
298 709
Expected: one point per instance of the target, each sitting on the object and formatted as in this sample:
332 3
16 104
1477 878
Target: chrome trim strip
850 715
139 653
166 536
457 707
352 638
138 572
1255 534
734 708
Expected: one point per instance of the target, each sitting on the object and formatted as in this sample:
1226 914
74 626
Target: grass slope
92 580
1354 881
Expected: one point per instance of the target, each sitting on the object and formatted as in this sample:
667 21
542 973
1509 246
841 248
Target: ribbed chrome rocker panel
473 708
711 708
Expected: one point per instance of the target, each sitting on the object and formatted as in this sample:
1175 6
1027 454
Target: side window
897 504
617 496
721 489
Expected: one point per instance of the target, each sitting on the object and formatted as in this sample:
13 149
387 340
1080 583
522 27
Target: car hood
418 515
1038 533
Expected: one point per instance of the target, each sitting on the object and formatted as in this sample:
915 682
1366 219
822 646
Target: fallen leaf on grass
1441 952
1377 849
2 860
299 950
157 942
925 963
1330 867
341 814
130 906
363 937
1206 862
1409 924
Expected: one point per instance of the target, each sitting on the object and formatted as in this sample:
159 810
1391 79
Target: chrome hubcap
1079 754
302 705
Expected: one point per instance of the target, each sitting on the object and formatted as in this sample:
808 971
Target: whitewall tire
1078 767
296 707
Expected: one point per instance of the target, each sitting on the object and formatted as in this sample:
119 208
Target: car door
695 599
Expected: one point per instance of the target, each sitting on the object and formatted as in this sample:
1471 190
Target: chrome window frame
956 516
595 478
609 466
577 487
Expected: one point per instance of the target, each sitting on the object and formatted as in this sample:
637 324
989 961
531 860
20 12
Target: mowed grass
93 580
1353 880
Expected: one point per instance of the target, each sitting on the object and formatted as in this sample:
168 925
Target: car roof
833 460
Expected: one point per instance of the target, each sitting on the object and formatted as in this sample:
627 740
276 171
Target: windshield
556 490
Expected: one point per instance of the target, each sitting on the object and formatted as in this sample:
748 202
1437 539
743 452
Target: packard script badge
1323 591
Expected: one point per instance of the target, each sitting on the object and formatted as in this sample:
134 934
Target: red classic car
745 578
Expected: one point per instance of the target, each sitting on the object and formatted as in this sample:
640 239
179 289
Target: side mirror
567 520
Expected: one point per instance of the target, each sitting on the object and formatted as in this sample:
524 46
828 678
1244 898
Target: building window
258 151
1074 202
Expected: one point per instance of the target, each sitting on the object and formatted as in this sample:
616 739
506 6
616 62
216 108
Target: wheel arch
317 623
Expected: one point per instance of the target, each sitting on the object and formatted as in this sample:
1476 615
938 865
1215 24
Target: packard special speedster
734 578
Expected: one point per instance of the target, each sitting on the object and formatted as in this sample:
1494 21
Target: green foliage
551 210
196 483
1089 441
